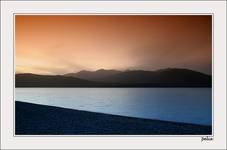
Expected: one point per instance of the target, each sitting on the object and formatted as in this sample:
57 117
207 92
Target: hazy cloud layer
62 44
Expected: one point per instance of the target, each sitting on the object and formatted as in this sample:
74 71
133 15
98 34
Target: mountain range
170 77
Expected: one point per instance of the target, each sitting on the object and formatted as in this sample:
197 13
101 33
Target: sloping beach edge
35 119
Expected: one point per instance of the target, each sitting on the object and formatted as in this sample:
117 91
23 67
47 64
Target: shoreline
35 119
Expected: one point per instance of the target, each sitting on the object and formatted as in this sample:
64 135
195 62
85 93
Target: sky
62 44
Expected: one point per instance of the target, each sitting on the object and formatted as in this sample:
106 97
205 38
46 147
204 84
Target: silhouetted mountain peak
101 70
179 71
93 75
106 70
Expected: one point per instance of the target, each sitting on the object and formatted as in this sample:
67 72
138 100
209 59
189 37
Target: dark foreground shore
33 119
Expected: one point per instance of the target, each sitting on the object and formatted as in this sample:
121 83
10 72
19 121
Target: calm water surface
191 105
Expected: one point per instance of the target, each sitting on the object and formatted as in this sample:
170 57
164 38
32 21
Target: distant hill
33 80
171 77
93 75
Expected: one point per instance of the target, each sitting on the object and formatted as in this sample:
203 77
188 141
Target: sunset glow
63 44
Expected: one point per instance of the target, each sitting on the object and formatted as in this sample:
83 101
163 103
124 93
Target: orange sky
63 44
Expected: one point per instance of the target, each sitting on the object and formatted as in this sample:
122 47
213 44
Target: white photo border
57 10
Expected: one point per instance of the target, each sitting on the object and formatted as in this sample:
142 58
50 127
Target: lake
189 105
